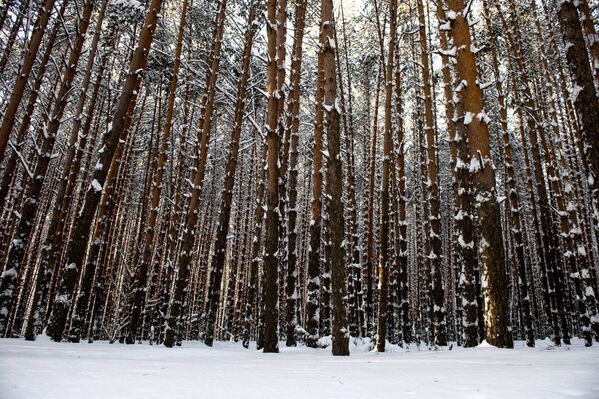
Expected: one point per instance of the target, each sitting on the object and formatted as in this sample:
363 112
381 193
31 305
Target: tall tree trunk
402 256
369 279
584 96
313 289
512 201
252 285
222 229
354 297
591 36
434 228
10 113
28 212
141 274
292 128
490 247
340 330
528 112
198 180
384 258
104 172
10 41
11 164
5 12
271 251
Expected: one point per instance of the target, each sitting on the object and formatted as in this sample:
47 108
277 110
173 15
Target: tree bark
292 128
584 96
384 258
271 250
490 247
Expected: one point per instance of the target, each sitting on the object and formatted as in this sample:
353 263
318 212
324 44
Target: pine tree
26 66
141 273
271 244
583 94
385 258
292 132
222 230
117 133
475 121
26 221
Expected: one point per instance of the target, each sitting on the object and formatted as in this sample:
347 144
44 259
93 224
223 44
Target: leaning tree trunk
584 96
10 113
5 12
10 40
28 212
110 157
591 35
11 164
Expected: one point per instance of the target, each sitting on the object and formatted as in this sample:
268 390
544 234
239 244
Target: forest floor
43 369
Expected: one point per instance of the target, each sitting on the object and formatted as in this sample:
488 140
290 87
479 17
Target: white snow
482 116
452 51
96 185
468 118
576 90
475 165
12 272
43 369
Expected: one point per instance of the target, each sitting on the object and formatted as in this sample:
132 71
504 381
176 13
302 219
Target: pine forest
309 177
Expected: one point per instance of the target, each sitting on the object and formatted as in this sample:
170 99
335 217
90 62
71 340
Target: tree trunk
10 113
584 96
11 164
271 277
490 247
28 212
591 36
198 180
140 280
340 330
222 229
104 172
292 128
384 258
512 201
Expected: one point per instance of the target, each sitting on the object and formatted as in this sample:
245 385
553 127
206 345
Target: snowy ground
43 369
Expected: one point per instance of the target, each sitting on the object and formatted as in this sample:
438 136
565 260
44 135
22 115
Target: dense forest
302 172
